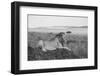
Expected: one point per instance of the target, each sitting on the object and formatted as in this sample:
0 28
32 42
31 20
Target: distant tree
68 32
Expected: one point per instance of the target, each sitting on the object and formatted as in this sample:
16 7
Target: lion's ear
58 35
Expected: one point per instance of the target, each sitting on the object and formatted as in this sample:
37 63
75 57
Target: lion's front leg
43 49
67 48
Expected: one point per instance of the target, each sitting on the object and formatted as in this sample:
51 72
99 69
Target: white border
26 65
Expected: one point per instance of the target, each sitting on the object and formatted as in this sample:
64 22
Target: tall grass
76 42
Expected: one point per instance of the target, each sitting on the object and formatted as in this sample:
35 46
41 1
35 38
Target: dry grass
77 43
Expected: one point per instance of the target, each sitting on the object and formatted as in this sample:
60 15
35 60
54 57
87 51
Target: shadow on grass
38 54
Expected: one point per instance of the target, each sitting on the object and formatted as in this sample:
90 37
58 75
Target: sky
35 21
